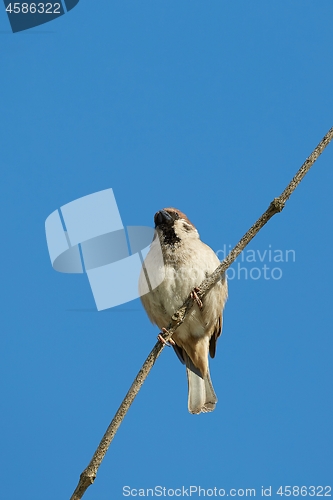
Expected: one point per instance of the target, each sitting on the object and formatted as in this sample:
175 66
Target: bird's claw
170 343
196 298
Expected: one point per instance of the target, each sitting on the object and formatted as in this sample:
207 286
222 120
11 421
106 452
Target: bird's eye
176 214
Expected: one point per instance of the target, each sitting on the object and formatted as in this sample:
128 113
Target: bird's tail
201 394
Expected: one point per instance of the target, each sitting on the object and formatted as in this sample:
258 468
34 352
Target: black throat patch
169 235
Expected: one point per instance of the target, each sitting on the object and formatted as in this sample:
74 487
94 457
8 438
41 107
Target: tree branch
89 474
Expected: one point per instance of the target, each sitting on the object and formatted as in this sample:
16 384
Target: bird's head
173 226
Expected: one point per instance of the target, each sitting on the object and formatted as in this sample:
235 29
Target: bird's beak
162 217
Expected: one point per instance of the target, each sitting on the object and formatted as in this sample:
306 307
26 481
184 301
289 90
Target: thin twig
89 474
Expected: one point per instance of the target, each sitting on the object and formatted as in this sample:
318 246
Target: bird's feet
161 339
196 298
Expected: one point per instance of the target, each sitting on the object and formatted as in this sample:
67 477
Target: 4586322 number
304 491
33 8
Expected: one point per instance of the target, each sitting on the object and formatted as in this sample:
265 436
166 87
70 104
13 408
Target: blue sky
210 107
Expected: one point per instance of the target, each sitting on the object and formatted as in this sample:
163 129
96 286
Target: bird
187 261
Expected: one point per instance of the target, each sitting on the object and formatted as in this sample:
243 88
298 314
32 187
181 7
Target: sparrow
187 261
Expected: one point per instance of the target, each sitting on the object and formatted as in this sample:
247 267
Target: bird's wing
216 333
179 352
